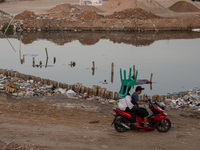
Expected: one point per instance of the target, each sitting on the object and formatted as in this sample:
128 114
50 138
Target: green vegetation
10 28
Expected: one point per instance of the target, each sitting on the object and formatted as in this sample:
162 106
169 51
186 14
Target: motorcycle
158 120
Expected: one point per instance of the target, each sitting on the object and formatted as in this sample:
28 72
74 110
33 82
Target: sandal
136 124
146 126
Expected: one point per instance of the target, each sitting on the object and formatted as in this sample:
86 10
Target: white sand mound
119 5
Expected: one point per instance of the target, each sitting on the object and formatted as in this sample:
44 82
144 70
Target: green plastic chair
126 83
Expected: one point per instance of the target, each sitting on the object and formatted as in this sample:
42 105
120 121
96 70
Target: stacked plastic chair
126 83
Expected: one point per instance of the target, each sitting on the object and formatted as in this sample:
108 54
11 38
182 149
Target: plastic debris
85 95
192 99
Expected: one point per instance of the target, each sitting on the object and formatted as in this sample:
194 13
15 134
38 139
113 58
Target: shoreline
123 25
94 92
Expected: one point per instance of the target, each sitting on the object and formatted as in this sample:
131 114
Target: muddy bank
91 38
111 25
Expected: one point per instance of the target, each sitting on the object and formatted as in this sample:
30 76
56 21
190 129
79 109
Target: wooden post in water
54 60
93 67
133 77
112 67
23 59
151 77
40 64
33 61
46 58
46 62
151 81
112 72
112 75
20 51
46 53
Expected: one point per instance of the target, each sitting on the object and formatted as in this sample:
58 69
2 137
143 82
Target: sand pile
88 8
26 15
183 6
68 11
56 15
73 8
132 14
88 15
65 8
119 5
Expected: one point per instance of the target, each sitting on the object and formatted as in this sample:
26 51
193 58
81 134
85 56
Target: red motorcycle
158 120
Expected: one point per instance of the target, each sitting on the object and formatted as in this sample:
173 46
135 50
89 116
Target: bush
10 28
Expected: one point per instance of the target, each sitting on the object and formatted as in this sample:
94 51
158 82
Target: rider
135 100
126 105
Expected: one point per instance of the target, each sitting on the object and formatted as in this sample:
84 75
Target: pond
172 57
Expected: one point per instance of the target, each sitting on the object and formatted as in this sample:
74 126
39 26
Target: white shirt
125 102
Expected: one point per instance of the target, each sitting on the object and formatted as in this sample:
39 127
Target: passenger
140 111
126 105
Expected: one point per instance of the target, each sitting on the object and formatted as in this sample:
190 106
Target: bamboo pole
46 53
9 24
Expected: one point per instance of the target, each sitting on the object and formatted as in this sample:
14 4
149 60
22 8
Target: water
172 57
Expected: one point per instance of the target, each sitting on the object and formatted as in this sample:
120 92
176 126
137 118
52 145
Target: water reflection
91 58
91 38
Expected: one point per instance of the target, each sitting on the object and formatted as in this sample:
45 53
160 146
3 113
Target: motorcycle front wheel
164 125
118 127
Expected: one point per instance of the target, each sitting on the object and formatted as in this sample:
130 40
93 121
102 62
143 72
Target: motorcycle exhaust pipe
122 124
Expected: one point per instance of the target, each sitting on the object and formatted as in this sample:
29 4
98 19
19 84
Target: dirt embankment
129 16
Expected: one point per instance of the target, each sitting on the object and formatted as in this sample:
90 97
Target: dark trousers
142 112
133 113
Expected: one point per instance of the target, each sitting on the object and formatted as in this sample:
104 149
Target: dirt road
56 123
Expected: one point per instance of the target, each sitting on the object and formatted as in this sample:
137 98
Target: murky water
172 57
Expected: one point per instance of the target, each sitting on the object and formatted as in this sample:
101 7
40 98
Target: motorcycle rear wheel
120 128
164 125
